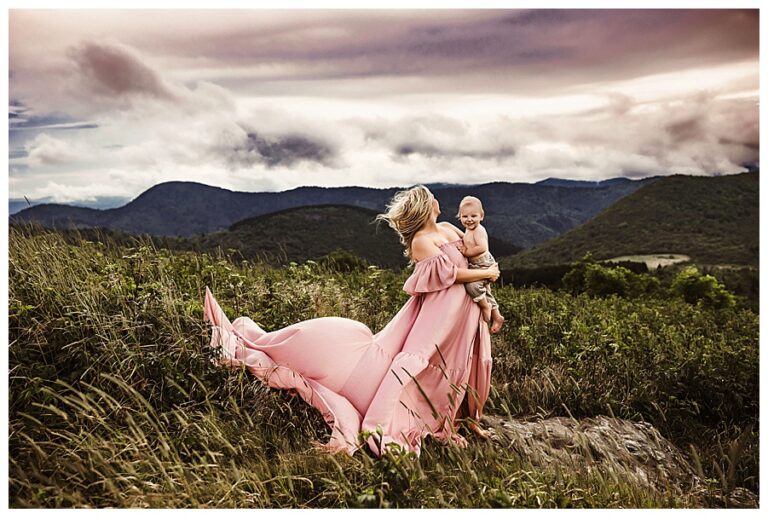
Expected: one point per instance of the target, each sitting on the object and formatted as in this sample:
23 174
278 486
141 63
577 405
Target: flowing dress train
429 366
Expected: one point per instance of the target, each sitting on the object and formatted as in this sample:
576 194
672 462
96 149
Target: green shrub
598 280
343 260
695 287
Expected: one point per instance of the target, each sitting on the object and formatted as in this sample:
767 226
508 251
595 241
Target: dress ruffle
239 346
431 274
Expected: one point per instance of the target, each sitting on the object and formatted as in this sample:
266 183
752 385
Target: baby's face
470 215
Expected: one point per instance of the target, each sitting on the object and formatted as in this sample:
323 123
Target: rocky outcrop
632 451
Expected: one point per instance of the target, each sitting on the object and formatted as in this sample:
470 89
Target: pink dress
403 383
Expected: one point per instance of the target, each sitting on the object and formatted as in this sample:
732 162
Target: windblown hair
470 200
407 212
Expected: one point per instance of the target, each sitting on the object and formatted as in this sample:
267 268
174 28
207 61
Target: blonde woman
427 369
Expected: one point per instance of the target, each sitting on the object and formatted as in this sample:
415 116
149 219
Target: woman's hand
493 272
469 275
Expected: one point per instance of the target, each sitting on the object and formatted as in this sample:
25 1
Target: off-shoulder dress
428 367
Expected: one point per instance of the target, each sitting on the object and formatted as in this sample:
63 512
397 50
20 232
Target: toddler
475 249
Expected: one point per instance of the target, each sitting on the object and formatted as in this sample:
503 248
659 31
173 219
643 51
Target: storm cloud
21 117
692 135
278 151
115 71
273 99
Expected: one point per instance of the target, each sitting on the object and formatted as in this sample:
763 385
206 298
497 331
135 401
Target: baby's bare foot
498 322
478 431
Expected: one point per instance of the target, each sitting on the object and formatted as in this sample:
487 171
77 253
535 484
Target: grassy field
114 400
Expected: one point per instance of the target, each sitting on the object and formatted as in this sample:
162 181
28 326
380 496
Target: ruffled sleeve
430 275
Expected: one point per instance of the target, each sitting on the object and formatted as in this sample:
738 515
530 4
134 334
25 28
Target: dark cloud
542 18
285 150
492 47
16 110
688 129
21 117
698 134
425 81
40 124
438 136
750 145
432 151
113 70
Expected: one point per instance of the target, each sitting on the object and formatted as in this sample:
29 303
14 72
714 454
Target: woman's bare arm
422 247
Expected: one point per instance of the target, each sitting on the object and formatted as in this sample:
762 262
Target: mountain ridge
520 213
714 220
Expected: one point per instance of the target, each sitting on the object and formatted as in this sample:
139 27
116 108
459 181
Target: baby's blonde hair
468 200
407 212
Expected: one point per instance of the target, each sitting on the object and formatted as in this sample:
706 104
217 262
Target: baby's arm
481 243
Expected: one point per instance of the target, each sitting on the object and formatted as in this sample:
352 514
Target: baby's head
470 212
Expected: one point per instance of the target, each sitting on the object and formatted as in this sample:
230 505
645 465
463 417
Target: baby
475 248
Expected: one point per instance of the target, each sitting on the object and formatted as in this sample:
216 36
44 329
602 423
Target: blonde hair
407 212
470 200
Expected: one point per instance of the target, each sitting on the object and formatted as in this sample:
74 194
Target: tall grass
114 400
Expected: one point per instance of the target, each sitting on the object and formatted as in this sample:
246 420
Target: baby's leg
485 306
495 316
477 291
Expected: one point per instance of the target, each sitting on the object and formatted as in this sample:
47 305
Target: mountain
714 220
312 232
102 202
306 233
298 234
15 205
60 215
564 182
520 213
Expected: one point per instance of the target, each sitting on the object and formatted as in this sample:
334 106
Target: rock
631 451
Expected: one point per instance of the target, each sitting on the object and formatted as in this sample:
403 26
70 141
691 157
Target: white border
398 4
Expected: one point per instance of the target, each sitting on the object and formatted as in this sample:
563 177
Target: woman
430 366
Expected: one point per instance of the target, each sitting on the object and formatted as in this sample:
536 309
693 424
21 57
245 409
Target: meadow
115 401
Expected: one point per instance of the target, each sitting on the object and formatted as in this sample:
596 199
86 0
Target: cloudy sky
108 103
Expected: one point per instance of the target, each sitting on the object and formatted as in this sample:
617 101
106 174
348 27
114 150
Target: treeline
715 286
